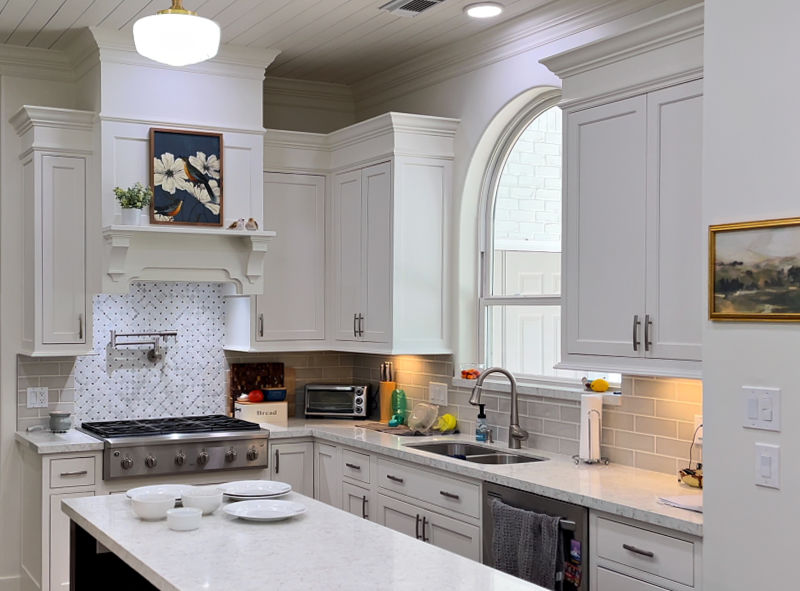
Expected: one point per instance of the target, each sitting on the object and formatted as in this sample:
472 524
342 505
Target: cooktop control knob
150 462
202 458
126 463
252 454
180 458
230 455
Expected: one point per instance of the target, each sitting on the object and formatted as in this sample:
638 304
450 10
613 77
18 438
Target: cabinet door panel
63 249
377 253
399 516
293 463
347 247
451 534
357 500
327 464
292 307
605 231
59 540
675 234
606 580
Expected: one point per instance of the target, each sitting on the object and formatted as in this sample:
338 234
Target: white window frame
491 179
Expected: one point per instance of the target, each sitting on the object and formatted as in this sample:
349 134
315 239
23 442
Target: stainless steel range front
179 445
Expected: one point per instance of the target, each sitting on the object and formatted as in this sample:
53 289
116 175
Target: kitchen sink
478 454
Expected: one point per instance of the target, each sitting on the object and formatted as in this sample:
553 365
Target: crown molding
29 116
32 62
662 32
537 28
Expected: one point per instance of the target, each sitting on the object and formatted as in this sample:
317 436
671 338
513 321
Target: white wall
750 63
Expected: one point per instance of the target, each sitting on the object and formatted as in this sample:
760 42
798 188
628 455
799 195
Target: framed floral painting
186 176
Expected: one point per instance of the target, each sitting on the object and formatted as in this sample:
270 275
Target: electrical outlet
37 397
437 393
698 422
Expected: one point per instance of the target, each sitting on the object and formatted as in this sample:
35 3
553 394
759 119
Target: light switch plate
761 408
768 465
37 397
437 393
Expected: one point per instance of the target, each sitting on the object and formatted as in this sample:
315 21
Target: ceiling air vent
409 7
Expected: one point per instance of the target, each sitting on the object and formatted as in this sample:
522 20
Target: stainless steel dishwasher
574 529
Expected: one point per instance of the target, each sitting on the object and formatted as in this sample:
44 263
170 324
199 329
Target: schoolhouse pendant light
176 36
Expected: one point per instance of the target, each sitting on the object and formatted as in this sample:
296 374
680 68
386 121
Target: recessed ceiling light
483 9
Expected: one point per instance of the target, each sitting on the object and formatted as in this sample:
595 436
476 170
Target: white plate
255 488
173 489
264 510
231 497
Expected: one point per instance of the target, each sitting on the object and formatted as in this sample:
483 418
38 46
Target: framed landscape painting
754 271
186 177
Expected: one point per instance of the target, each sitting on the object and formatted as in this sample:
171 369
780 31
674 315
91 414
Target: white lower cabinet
327 474
626 555
293 463
46 481
358 500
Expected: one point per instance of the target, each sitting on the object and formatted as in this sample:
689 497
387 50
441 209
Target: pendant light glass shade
176 37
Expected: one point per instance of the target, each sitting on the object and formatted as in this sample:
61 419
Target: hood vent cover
409 7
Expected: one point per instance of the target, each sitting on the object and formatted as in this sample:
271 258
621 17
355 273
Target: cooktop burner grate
169 425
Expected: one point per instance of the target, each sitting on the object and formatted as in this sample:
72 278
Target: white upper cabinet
633 239
360 262
56 153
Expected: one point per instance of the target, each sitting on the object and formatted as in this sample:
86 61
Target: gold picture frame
754 271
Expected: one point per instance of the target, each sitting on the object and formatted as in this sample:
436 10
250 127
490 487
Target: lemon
599 385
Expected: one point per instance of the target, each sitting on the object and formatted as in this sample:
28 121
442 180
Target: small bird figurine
251 224
237 225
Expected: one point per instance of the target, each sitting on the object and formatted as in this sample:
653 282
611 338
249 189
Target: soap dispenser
481 427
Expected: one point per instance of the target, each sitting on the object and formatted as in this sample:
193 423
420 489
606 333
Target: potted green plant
133 200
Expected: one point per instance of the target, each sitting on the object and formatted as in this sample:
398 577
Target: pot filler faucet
516 434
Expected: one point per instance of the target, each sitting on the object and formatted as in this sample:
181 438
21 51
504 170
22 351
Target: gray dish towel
526 544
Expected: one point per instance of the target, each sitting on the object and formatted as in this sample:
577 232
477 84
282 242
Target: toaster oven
336 400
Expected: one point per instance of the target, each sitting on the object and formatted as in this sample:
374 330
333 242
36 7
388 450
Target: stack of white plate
248 490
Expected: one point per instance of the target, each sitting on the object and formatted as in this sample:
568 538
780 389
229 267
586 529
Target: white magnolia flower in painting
169 173
163 218
200 192
209 166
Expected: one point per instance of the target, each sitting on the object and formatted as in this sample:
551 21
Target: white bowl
205 498
152 506
184 518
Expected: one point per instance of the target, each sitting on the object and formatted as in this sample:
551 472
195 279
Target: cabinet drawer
607 580
71 472
443 491
355 465
658 554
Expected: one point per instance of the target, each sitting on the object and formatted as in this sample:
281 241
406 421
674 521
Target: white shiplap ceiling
340 41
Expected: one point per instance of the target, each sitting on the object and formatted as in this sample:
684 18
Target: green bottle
399 405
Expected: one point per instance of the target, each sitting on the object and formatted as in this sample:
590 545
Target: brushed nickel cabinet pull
261 324
449 495
635 338
361 325
80 327
395 478
648 332
277 461
353 466
634 549
417 527
75 473
364 506
355 323
424 523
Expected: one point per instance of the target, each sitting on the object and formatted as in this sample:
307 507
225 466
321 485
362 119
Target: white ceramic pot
131 217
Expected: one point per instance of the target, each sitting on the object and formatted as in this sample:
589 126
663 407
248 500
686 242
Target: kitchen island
322 549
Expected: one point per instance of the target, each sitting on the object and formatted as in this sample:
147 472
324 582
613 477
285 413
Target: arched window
520 292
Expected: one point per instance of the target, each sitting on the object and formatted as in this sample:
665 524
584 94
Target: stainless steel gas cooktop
179 445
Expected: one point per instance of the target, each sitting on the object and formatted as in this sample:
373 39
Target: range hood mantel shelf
168 253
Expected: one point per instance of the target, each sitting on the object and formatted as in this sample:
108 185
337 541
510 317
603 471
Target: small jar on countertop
60 421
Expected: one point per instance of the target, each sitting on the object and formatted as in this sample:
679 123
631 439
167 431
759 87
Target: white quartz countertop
47 442
324 549
620 490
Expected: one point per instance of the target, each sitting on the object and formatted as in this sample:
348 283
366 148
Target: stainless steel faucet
516 434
